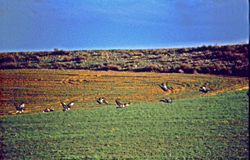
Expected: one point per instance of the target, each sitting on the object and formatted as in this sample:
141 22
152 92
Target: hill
223 60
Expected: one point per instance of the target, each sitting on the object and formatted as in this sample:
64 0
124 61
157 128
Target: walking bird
20 108
102 100
166 100
204 89
67 107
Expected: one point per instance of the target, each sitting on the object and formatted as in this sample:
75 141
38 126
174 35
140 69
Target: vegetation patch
220 60
208 127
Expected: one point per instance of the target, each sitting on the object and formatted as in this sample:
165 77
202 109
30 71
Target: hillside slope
226 60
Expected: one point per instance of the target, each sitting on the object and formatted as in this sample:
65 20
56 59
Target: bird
67 107
120 105
20 108
166 100
102 100
165 86
204 89
48 110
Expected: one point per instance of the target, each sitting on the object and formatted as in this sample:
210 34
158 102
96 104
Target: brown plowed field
41 88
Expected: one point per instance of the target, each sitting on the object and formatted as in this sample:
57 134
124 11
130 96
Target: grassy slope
209 127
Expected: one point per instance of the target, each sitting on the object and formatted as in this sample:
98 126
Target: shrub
80 59
58 65
11 65
187 68
229 55
153 57
240 70
66 58
108 66
59 52
149 68
7 58
125 56
204 69
114 67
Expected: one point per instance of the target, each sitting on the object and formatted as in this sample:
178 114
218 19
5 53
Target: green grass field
208 127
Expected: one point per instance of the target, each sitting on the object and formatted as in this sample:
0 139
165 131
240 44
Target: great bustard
204 89
48 110
165 86
120 105
102 100
20 108
67 107
166 100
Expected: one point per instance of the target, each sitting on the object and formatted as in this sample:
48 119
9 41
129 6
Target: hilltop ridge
222 60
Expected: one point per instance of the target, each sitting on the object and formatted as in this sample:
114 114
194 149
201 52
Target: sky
43 25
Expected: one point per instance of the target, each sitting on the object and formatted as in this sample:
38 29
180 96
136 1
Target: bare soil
42 88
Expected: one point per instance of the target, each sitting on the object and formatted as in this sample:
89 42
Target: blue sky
33 25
